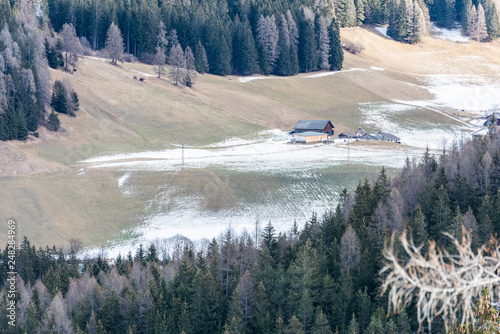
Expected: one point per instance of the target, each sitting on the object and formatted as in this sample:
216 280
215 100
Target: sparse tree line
322 278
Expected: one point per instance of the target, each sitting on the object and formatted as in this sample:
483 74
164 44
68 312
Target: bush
129 58
352 47
148 58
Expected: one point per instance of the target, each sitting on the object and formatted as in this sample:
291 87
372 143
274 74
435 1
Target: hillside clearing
232 167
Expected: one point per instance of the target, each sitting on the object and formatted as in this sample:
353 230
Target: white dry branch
441 283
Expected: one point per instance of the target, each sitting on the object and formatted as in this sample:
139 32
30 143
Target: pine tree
201 61
245 57
308 52
353 326
59 101
492 21
321 324
376 326
294 326
360 12
336 52
418 226
403 323
234 324
466 16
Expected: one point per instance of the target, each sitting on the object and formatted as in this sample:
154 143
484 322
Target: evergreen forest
321 278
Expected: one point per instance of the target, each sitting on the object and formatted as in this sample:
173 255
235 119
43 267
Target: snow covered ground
382 30
308 172
454 35
464 92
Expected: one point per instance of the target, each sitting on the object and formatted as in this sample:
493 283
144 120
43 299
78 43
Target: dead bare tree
442 284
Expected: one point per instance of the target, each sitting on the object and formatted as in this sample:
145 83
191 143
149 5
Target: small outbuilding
310 137
383 136
347 135
322 126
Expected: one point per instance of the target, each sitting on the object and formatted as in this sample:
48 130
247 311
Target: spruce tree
353 326
245 57
492 21
308 52
465 17
59 101
294 326
336 52
321 324
201 61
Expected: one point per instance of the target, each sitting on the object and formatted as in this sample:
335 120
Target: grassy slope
44 192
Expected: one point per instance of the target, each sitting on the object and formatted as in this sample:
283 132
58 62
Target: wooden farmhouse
323 126
310 137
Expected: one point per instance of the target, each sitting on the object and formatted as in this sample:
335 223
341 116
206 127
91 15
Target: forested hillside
320 279
25 85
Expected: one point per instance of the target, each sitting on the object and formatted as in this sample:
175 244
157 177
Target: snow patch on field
388 117
249 79
464 92
147 74
325 74
374 68
259 155
382 30
453 35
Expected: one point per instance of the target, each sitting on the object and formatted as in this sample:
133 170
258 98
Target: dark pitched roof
385 136
312 125
347 135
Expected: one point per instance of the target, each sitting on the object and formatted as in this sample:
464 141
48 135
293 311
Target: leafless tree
309 14
294 30
267 35
285 30
25 294
3 94
114 44
75 244
482 31
324 44
11 53
441 283
161 44
246 292
71 45
350 248
177 63
57 311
